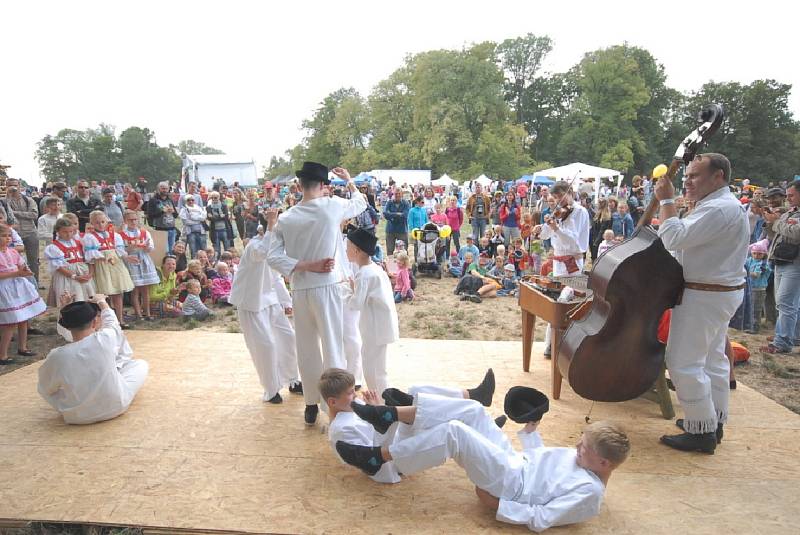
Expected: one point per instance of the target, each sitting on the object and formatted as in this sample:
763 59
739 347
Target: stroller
428 250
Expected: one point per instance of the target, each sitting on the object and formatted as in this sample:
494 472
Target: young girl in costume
402 281
19 299
104 250
138 244
69 271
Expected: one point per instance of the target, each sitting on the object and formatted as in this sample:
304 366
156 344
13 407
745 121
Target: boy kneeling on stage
93 378
540 488
422 407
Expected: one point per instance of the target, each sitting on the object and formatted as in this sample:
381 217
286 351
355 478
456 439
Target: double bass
612 353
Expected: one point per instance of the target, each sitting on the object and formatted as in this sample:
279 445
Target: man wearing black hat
541 488
307 246
93 378
373 298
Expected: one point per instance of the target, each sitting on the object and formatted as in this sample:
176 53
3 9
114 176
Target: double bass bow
612 353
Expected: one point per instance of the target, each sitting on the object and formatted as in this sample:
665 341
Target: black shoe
381 416
732 384
703 442
311 414
33 331
501 421
475 298
397 398
720 432
296 387
275 399
366 458
484 391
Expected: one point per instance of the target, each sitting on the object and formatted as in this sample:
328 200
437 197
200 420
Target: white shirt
45 226
348 427
311 231
711 242
373 297
553 490
571 238
255 285
80 380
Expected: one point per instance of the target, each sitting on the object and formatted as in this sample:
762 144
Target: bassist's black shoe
720 433
703 442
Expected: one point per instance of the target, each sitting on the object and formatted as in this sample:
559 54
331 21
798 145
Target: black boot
366 458
311 414
484 391
501 421
296 387
720 433
397 398
275 399
703 442
381 417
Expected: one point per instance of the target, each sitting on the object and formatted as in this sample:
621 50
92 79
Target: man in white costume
262 301
711 244
374 300
304 245
539 488
93 378
350 321
569 238
431 406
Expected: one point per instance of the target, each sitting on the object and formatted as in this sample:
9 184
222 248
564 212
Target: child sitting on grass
193 307
508 283
454 267
607 243
402 282
221 286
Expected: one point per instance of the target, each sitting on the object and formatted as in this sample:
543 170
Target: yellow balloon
660 170
445 231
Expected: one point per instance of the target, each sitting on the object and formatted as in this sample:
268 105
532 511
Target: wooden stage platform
198 450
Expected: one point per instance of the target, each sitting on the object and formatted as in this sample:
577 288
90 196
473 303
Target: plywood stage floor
198 450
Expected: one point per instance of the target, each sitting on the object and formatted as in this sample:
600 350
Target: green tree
521 58
141 156
546 105
190 146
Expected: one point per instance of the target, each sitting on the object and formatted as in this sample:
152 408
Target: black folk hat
78 314
363 239
314 171
524 404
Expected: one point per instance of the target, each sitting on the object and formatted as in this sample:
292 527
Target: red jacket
504 213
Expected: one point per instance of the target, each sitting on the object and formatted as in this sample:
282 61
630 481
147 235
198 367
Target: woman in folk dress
104 250
138 244
69 272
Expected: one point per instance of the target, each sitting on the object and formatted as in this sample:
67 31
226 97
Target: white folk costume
110 277
67 254
144 273
539 488
19 298
93 379
373 298
711 245
260 297
435 405
311 231
570 239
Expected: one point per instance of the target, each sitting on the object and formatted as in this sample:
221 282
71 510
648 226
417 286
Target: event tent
483 180
205 168
543 181
444 180
578 173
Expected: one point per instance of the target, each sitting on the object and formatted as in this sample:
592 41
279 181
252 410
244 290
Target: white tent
483 180
577 173
205 168
444 180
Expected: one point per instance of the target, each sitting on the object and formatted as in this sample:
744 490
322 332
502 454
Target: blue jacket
622 227
417 217
761 269
396 214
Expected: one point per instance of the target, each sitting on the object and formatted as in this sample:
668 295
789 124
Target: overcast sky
241 76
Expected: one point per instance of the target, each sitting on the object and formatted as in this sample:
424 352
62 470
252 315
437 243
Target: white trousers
488 464
696 357
352 343
373 358
134 372
269 337
318 320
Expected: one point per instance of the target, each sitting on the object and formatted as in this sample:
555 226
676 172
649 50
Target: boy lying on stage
540 488
93 378
436 405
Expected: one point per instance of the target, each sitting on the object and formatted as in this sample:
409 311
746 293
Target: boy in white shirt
436 404
93 378
304 245
373 298
45 224
262 302
607 243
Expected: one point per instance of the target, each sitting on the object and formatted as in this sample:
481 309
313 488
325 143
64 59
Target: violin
563 212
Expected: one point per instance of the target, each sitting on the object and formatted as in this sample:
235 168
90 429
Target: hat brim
307 176
524 404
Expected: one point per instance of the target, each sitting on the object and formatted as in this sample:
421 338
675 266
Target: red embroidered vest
106 244
73 254
133 240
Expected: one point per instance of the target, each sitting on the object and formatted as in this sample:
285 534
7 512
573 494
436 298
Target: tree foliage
190 146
